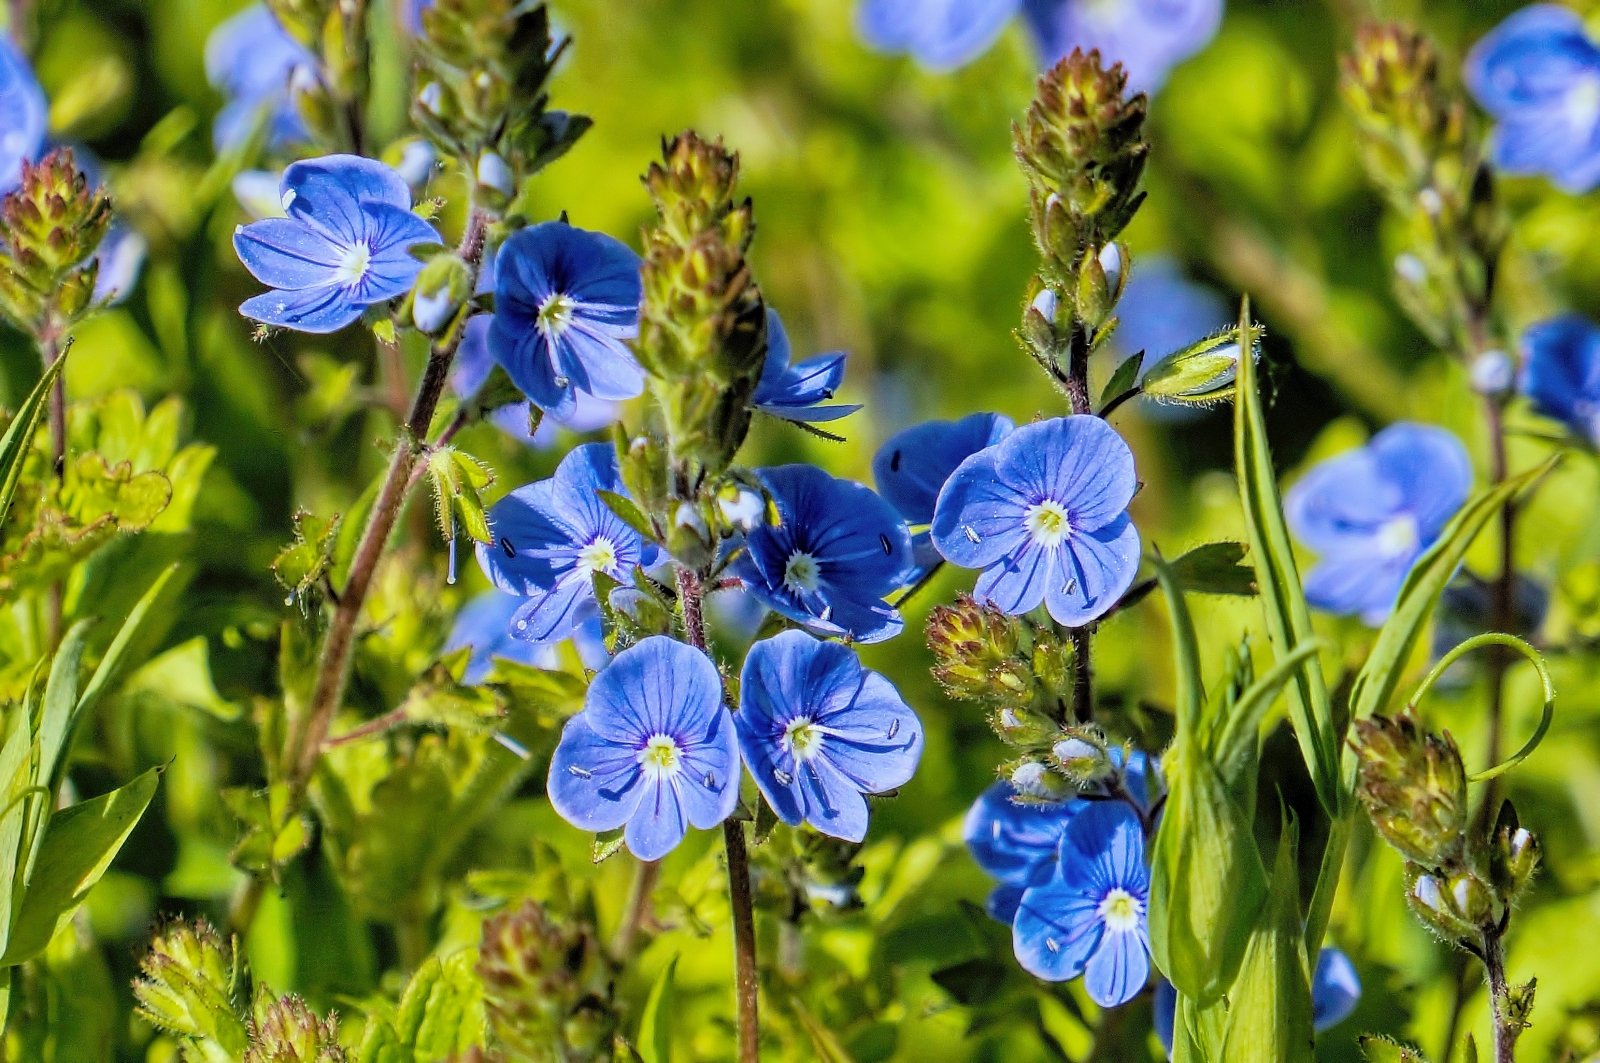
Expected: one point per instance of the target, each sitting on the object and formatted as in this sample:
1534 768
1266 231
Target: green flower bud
1081 754
1430 899
1200 373
978 654
1023 727
535 972
1514 854
189 986
285 1030
1035 783
1414 788
442 289
50 227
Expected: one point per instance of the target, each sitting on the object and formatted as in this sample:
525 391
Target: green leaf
1215 568
1125 376
18 440
1376 1048
60 705
109 670
629 513
79 844
1283 599
655 1025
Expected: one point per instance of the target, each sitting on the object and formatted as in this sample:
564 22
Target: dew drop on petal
710 781
450 574
883 540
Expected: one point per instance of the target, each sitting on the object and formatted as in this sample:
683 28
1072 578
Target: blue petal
22 102
594 784
1335 989
912 466
876 741
709 785
1057 929
979 519
940 34
1430 468
534 540
547 616
333 192
1341 501
597 363
282 253
1103 849
1148 37
1357 583
658 824
1017 584
120 257
1118 969
659 687
1010 840
1561 372
833 804
391 232
794 392
1531 60
484 624
1092 572
1079 461
1165 1013
315 310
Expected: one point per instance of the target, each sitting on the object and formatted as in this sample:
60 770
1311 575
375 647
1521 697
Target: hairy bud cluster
702 324
536 974
1414 788
50 228
285 1030
481 90
191 987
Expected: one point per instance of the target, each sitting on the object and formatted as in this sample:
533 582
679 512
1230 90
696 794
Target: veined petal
1092 573
658 823
656 687
1018 583
912 466
284 254
1056 930
331 192
327 308
1118 969
978 519
593 784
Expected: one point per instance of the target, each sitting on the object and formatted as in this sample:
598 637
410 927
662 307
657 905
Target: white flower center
803 738
1120 911
1047 522
660 758
555 315
1583 105
1398 536
353 265
802 572
598 556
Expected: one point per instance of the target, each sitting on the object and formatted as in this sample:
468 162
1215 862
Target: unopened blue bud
493 173
1493 373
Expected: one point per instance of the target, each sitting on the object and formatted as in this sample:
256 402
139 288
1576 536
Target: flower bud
286 1030
977 653
1022 727
1202 372
1493 374
188 985
1514 854
1035 783
1082 756
442 289
743 508
534 970
495 176
1414 788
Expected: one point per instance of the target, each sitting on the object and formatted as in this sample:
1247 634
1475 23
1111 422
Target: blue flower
1538 75
120 257
819 731
253 61
471 369
1015 842
914 463
1162 310
939 34
1372 512
1044 514
1089 918
344 245
796 392
484 624
1335 989
838 551
22 103
653 749
566 303
1561 372
1148 37
551 537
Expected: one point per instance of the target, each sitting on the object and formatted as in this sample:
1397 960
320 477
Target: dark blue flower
551 537
1561 372
1015 842
837 553
344 245
939 34
915 462
819 731
25 115
1089 918
1148 37
471 369
653 749
253 61
484 624
566 303
796 392
1538 75
1372 512
1044 514
1335 989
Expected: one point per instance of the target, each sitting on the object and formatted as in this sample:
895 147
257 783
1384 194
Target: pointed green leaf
79 844
1125 377
1216 568
14 445
629 512
109 670
655 1026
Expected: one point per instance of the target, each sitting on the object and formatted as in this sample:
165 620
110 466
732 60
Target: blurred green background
891 224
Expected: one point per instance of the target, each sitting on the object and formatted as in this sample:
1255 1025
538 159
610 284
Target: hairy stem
1506 1028
1082 642
691 595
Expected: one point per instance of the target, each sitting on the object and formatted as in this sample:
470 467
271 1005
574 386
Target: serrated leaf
79 844
655 1025
301 565
18 440
1215 568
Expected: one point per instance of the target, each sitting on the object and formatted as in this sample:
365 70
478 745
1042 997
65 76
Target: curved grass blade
19 436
